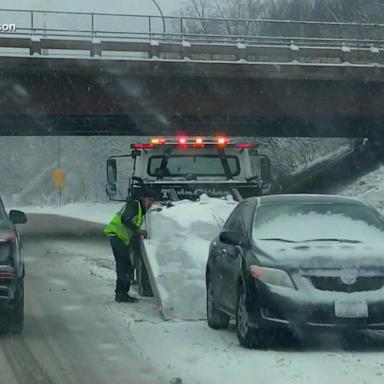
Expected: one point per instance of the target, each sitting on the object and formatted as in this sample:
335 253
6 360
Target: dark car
297 262
12 272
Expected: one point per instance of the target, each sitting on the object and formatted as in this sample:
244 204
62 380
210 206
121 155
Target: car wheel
17 325
250 337
247 336
216 319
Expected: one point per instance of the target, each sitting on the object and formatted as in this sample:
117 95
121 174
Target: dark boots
125 299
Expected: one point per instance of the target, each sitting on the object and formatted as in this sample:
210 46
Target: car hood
320 255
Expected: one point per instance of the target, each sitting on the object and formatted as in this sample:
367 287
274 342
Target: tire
250 337
17 318
215 318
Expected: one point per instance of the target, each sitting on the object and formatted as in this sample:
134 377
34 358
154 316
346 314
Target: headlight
271 276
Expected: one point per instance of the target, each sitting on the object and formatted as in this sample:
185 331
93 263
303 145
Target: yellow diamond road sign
59 177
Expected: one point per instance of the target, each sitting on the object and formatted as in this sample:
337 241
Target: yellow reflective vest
116 226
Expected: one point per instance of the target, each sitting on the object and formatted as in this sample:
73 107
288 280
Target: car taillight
7 236
6 275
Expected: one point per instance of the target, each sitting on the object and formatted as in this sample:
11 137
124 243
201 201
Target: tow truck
185 168
211 172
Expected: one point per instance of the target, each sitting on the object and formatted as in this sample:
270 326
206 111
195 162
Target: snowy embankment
369 188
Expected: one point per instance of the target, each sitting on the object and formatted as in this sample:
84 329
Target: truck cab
185 168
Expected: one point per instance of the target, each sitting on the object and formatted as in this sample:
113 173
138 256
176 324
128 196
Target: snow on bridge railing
56 30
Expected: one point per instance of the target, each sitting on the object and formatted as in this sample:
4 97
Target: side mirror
232 238
111 190
135 153
111 171
265 169
17 217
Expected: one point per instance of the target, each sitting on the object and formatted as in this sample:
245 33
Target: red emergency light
245 146
142 146
182 141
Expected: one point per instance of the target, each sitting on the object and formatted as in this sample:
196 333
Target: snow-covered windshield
202 165
317 222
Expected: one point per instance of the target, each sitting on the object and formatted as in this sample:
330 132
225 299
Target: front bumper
294 309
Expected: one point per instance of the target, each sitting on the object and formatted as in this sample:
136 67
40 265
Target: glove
142 233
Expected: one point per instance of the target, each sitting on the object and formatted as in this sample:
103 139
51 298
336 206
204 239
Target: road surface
71 335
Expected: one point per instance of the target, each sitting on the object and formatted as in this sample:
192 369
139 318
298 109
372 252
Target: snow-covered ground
191 351
197 354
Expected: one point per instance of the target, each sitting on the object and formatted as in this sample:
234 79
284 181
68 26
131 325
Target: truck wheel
145 288
215 318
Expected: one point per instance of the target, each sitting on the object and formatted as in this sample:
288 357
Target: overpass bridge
91 73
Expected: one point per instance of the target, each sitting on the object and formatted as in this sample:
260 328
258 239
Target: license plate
351 309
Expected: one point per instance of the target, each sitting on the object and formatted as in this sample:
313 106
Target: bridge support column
35 46
376 56
345 54
96 47
294 52
154 49
186 49
242 53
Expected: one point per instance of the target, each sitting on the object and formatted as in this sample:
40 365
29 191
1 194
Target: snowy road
71 335
75 333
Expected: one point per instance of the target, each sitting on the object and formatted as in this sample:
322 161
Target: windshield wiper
278 239
337 240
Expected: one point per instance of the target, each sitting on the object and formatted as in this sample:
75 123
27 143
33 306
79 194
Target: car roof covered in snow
307 198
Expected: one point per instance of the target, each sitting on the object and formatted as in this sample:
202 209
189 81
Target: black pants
124 269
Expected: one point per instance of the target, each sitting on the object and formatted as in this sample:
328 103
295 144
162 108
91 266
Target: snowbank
369 188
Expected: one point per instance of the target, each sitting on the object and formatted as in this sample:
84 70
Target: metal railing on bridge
81 34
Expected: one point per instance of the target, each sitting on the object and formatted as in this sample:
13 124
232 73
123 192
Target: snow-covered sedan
301 262
12 272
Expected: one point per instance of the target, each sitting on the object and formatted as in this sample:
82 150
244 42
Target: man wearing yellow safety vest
122 231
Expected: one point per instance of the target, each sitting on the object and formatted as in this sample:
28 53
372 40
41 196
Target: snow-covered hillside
27 164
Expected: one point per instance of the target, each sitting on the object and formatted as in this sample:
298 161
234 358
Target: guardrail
172 37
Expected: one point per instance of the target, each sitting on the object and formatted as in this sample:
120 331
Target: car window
235 221
209 165
302 222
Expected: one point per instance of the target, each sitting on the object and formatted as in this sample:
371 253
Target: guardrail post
32 23
92 25
150 27
181 29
